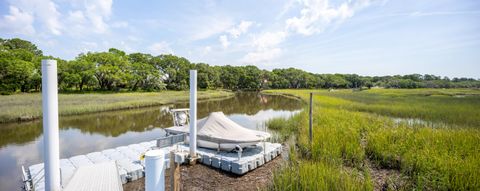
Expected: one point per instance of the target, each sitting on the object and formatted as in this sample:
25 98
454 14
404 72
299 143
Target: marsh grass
319 176
456 107
352 127
24 107
284 127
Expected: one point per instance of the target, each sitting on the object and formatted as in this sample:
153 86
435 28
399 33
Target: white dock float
68 169
130 167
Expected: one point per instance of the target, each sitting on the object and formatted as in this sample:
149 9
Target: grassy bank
24 107
437 151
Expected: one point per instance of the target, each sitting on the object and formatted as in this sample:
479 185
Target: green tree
16 43
230 76
111 69
175 70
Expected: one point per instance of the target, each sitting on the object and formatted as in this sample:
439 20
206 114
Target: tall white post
193 114
50 125
155 170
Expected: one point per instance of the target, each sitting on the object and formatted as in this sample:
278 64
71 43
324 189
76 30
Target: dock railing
170 140
27 181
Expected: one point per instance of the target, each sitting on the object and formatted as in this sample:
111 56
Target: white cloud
84 17
264 56
421 14
203 28
224 41
44 11
89 46
17 22
91 17
98 12
316 15
234 32
160 48
76 17
242 28
47 12
265 48
269 39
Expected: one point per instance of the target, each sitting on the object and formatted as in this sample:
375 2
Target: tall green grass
284 127
352 127
319 176
453 107
24 107
438 159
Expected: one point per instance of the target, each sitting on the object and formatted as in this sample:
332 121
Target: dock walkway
131 167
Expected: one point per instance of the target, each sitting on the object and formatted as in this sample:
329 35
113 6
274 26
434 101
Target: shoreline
27 107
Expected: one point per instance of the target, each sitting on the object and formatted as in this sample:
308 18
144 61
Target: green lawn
21 107
438 151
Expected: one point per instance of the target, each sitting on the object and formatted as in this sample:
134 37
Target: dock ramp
100 176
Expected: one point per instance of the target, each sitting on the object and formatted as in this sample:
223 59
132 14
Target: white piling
155 170
50 125
193 114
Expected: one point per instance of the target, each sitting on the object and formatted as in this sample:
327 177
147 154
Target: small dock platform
131 167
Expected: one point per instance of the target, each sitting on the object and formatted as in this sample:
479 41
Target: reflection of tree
116 123
19 133
119 122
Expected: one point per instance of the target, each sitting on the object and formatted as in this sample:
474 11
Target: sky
366 37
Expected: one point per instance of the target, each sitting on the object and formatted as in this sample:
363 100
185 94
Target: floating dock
131 167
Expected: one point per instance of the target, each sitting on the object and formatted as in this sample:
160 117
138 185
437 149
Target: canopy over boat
219 129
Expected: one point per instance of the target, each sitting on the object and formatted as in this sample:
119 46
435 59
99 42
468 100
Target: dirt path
383 179
201 177
386 179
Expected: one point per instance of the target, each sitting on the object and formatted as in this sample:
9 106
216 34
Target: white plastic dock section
101 176
130 167
252 158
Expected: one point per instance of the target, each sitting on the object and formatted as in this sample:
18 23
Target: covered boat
219 132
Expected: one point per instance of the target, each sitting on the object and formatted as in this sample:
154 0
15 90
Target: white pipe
50 125
193 114
155 170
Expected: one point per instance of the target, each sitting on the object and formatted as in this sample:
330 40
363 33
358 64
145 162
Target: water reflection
22 143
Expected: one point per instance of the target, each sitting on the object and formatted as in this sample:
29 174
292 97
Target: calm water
22 143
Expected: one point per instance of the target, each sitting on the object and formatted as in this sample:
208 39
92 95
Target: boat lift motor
181 117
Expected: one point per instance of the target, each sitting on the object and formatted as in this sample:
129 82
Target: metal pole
310 117
193 114
50 125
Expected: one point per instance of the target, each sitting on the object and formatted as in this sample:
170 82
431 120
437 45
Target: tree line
115 70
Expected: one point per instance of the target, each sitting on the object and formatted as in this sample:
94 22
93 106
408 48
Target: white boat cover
220 129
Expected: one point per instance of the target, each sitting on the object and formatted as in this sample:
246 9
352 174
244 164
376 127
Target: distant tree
16 43
17 70
85 71
250 78
111 70
229 77
208 76
176 70
144 75
20 69
354 80
335 81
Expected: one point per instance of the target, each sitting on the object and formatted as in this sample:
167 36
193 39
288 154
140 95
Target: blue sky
366 37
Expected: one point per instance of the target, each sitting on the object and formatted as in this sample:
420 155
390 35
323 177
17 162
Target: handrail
170 140
26 180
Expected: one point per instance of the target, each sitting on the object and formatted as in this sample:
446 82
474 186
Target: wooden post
310 117
174 173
